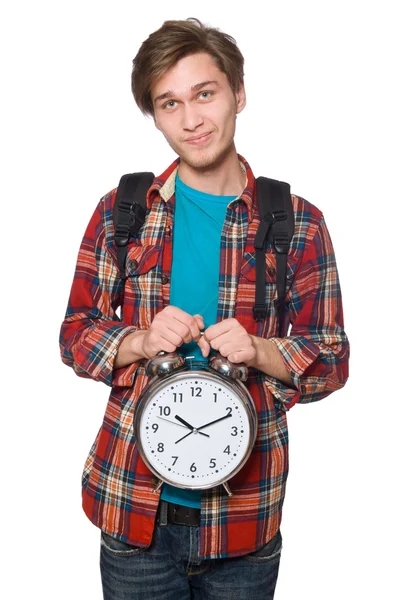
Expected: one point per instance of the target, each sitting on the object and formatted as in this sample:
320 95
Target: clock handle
222 365
164 363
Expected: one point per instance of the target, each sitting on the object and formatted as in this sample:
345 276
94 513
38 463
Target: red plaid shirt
118 489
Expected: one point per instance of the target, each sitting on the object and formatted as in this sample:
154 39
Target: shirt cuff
97 352
298 354
125 376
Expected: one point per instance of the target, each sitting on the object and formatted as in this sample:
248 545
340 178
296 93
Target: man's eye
170 104
205 95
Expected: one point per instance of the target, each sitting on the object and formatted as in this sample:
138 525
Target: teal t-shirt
198 224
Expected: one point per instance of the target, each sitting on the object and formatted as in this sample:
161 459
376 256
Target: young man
190 287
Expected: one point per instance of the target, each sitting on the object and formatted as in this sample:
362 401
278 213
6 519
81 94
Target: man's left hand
231 340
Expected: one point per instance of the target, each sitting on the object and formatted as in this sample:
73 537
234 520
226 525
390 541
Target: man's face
195 108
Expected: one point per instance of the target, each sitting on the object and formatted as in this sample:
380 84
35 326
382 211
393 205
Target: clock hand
185 436
178 418
212 422
173 422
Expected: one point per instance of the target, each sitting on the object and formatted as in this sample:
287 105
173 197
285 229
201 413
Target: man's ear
241 99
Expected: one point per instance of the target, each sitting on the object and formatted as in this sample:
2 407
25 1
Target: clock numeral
227 450
196 392
165 410
229 410
212 463
193 468
176 458
177 397
155 427
234 429
160 447
215 396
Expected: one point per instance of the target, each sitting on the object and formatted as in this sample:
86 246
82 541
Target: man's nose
191 118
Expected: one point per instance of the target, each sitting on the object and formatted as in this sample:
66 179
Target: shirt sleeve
316 352
92 332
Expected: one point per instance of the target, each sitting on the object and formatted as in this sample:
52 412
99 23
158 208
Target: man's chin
205 162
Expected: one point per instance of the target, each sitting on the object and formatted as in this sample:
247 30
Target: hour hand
178 418
192 429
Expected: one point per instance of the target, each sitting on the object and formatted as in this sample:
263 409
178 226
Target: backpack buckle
279 215
281 243
137 218
121 235
126 207
259 312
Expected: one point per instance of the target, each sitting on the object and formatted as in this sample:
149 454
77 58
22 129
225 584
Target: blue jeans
170 569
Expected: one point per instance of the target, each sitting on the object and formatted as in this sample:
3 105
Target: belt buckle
183 515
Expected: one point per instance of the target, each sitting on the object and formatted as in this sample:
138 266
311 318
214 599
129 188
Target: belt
182 515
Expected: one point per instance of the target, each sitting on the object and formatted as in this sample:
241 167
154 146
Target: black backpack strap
277 227
129 212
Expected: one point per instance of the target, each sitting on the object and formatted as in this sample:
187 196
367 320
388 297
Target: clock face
195 429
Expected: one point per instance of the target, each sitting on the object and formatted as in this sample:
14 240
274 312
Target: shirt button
164 279
168 231
134 264
271 271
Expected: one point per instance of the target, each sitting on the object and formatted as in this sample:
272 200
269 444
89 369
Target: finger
231 339
183 330
181 322
204 346
173 313
151 347
242 356
200 321
237 352
169 325
193 328
189 331
196 328
164 340
222 327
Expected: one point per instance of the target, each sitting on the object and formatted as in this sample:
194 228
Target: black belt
182 515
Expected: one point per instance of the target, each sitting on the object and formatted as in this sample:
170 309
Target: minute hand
216 421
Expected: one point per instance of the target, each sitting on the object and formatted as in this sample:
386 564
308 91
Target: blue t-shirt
198 224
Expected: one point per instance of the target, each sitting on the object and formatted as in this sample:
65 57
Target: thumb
204 346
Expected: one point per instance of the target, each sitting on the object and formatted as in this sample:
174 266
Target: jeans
170 568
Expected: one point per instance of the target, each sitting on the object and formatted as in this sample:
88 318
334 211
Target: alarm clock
195 427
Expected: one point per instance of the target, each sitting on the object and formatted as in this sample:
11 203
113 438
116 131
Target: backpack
276 227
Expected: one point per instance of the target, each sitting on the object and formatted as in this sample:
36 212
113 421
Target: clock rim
236 386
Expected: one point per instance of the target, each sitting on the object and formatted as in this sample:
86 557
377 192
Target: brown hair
175 40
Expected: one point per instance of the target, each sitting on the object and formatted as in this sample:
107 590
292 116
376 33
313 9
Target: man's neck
225 178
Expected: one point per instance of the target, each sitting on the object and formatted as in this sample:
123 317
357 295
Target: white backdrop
320 79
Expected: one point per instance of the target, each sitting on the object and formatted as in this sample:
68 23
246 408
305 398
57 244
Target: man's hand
231 340
170 328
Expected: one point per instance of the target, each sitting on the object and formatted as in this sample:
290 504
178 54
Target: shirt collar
164 185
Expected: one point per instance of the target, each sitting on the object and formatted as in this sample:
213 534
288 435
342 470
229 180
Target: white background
320 80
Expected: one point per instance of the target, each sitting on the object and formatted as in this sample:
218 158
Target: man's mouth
199 139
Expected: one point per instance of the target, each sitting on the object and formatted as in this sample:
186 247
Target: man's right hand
170 329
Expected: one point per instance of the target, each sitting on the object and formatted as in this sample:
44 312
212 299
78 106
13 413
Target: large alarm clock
195 427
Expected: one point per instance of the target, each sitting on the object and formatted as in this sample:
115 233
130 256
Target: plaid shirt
119 494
